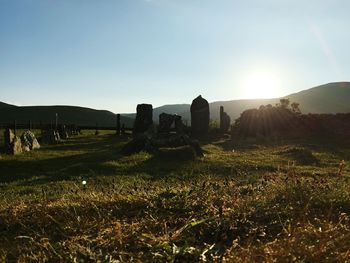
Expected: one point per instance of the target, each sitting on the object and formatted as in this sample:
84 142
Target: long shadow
97 152
158 168
63 167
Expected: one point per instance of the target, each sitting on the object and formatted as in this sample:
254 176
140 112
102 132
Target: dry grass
246 205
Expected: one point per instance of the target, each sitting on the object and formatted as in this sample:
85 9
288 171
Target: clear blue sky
113 54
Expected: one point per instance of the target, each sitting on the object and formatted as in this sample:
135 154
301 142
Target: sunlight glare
260 85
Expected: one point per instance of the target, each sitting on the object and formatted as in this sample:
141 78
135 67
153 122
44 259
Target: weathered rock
8 138
29 141
199 116
165 122
16 146
225 120
144 118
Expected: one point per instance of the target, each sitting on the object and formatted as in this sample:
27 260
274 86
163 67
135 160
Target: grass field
243 201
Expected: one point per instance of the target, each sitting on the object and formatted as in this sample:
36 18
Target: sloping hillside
66 114
328 98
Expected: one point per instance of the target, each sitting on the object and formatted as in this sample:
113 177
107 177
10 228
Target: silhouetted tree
284 103
295 108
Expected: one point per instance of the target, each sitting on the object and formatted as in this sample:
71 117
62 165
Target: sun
260 85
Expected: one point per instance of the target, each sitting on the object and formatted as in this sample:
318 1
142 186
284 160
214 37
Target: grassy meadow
244 201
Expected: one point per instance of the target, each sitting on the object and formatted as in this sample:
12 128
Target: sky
114 54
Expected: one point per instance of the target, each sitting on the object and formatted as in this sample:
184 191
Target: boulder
29 141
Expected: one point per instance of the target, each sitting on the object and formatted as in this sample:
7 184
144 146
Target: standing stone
62 130
29 141
165 122
118 125
16 146
179 126
225 120
50 136
144 118
8 137
199 116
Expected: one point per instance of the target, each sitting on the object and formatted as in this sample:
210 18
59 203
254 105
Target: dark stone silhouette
199 116
50 136
165 122
179 126
8 138
62 130
225 120
118 125
144 118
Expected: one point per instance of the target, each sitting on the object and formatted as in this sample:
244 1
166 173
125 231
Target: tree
284 103
295 108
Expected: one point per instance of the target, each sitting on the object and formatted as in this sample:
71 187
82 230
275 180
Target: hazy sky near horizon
113 54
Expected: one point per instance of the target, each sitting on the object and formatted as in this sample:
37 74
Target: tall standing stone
144 118
199 116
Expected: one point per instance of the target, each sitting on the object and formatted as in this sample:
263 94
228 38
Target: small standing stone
118 125
179 126
165 122
225 120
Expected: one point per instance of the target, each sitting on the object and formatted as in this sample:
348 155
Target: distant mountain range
328 98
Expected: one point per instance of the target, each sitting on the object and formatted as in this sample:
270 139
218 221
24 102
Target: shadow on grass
93 161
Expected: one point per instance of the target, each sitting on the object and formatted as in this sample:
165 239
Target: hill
66 114
5 105
328 98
